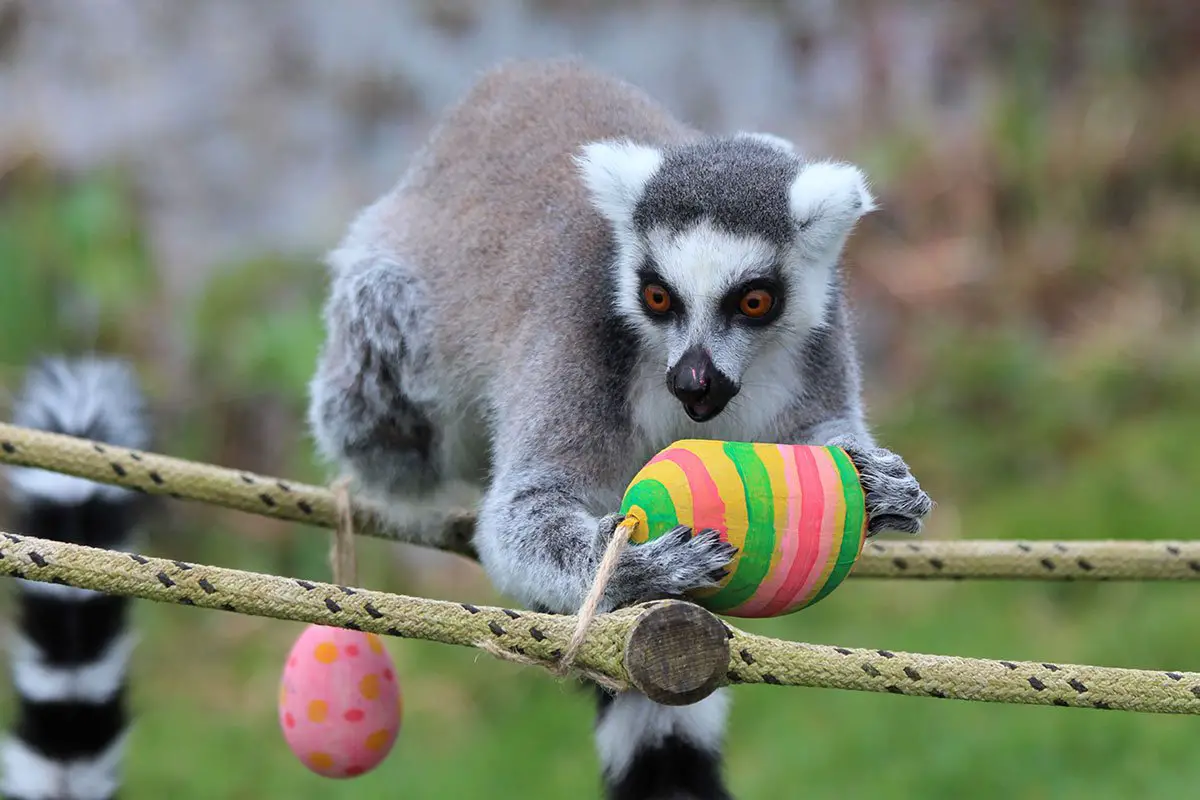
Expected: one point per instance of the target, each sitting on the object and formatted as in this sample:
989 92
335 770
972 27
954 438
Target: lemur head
726 247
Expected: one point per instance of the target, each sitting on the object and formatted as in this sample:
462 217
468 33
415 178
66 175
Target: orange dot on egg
352 650
369 686
321 760
374 643
318 710
377 740
354 715
325 652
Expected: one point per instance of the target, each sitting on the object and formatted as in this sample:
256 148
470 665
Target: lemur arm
560 452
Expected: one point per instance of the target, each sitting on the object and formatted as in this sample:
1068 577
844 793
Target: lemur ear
616 173
827 198
778 142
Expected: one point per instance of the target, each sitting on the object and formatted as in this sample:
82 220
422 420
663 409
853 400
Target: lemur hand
670 566
895 501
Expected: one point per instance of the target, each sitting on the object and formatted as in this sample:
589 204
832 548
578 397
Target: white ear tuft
778 142
616 174
827 198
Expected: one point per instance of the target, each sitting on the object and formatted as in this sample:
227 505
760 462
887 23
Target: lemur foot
895 501
670 566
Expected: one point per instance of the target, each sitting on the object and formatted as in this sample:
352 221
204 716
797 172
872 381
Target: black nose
697 383
690 384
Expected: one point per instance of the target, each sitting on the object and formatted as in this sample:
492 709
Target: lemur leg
895 500
647 750
371 401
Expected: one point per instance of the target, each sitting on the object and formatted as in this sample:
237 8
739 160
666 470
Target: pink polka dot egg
339 701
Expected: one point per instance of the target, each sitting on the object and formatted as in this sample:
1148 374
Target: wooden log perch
677 653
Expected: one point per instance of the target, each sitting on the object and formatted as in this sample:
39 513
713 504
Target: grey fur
370 358
483 329
739 182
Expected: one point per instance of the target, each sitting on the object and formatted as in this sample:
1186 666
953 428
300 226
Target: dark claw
716 576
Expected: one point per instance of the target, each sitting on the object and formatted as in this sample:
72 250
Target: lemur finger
717 553
892 466
682 534
611 521
707 539
711 537
893 522
683 561
719 575
879 462
605 529
915 505
898 506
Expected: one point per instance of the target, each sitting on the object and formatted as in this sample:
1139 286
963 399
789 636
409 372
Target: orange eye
656 298
756 303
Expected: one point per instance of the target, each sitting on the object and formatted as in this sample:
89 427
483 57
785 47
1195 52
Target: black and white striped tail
654 752
70 648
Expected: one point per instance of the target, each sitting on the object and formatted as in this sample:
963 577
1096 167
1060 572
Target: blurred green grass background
1042 376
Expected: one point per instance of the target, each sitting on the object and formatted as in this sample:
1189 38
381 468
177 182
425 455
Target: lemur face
726 250
708 302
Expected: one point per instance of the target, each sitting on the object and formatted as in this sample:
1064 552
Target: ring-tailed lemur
566 280
70 648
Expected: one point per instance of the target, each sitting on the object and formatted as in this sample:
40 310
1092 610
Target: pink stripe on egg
806 535
707 506
829 480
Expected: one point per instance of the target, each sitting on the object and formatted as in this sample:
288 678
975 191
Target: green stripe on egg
852 529
657 506
755 559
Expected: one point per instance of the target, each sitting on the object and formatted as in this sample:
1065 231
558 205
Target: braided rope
535 638
272 497
204 483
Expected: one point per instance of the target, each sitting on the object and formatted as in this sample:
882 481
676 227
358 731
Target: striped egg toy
796 513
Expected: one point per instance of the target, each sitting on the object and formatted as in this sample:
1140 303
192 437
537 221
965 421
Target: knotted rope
273 497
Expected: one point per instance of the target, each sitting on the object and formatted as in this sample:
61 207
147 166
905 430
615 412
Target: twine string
591 603
341 555
610 684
